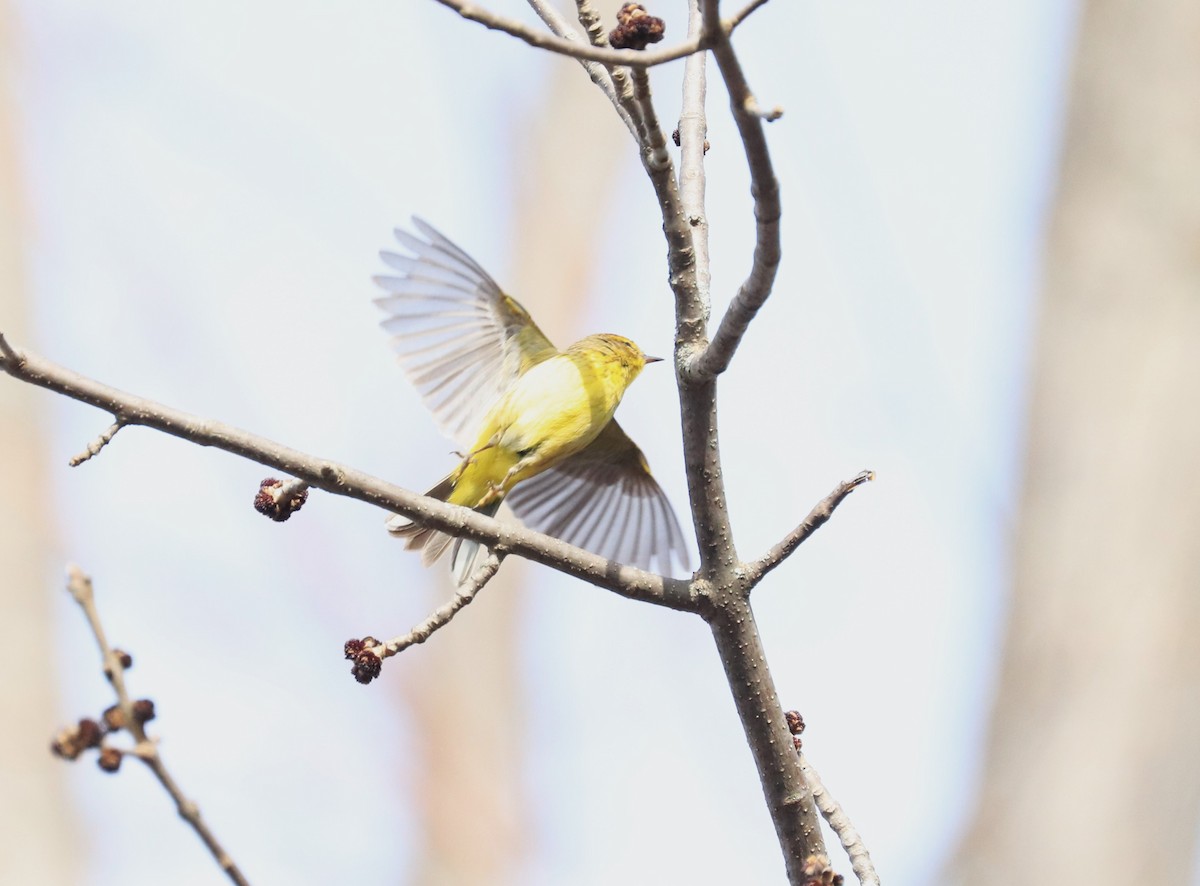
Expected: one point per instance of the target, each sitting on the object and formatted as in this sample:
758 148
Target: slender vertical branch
698 396
693 143
764 188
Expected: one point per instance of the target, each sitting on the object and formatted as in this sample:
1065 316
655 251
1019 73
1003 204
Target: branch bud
110 759
636 28
279 500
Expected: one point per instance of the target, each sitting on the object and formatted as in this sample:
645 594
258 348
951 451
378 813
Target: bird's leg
470 456
527 459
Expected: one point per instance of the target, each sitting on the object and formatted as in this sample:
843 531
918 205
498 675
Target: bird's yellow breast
552 411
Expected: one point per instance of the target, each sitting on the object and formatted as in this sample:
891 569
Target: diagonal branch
369 654
146 750
764 188
816 518
504 538
835 816
609 78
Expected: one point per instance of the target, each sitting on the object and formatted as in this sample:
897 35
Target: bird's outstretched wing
604 499
461 341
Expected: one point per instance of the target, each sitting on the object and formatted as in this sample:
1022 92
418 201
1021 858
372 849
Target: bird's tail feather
433 543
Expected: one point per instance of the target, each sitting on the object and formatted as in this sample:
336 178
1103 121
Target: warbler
536 423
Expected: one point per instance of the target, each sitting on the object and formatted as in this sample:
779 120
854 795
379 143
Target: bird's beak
651 359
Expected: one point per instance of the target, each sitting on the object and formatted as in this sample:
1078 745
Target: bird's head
618 351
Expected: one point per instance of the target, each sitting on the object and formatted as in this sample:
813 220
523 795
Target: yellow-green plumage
555 409
531 414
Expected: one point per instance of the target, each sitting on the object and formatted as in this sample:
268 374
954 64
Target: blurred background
990 295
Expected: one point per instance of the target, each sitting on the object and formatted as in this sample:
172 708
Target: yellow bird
537 423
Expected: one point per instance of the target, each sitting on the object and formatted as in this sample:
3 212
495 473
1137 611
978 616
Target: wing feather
461 341
605 500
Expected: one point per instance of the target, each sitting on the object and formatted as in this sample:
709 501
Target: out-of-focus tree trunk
1093 768
467 704
36 839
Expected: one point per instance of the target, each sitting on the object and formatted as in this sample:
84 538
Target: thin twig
764 188
693 142
146 748
832 812
443 614
600 74
8 356
768 114
96 445
741 15
622 91
574 48
338 479
592 24
816 518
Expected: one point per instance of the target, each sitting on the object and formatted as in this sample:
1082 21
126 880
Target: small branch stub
96 445
795 724
636 28
279 500
817 872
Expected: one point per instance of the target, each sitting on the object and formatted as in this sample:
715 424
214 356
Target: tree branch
693 143
504 538
816 518
604 76
576 48
368 653
788 797
146 749
764 188
741 15
93 448
835 816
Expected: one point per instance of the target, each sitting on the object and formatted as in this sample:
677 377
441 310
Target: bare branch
832 812
592 24
764 188
574 48
368 653
788 797
146 749
816 518
611 80
96 445
443 614
685 223
768 114
338 479
741 15
693 142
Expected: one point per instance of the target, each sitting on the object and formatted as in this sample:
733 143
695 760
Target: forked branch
764 188
131 717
